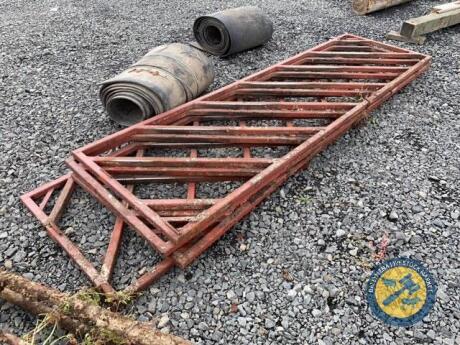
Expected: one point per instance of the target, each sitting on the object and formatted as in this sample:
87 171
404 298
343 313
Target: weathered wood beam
396 36
11 339
431 22
451 6
78 315
363 7
414 29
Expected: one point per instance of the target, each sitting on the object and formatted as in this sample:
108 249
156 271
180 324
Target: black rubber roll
232 31
164 78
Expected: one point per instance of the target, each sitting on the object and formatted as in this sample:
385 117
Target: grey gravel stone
164 320
29 276
431 334
231 295
316 312
203 326
10 251
269 324
340 233
8 264
455 214
292 294
251 296
393 216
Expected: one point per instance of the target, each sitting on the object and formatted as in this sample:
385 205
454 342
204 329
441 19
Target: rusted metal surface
331 95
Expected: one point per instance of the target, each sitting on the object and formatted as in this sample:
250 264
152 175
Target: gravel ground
297 267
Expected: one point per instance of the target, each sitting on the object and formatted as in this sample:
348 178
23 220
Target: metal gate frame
107 168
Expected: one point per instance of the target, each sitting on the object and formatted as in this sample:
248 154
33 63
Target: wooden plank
363 7
432 22
452 6
396 36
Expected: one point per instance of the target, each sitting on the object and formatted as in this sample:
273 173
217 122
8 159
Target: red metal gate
258 131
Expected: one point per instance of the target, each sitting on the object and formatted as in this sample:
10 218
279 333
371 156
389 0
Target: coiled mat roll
233 30
167 76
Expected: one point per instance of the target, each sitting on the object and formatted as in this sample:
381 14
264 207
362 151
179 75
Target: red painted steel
332 87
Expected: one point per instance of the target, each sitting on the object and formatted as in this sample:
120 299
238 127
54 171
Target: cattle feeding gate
252 134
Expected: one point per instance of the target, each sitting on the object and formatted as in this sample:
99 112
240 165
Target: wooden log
363 7
11 339
431 22
79 315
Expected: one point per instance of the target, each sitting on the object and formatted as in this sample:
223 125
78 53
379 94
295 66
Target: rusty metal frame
107 169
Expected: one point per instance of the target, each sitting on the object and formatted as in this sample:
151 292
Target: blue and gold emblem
401 291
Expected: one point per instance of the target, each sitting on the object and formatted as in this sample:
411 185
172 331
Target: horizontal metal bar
333 75
300 93
205 114
351 41
184 213
312 85
226 130
354 48
135 179
358 61
197 145
182 171
180 140
390 55
179 204
277 105
178 207
183 162
335 68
